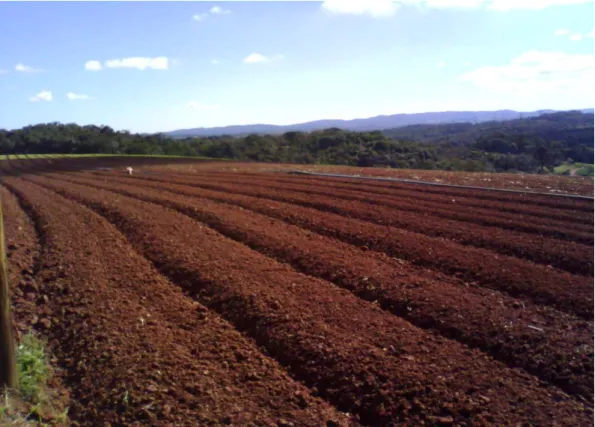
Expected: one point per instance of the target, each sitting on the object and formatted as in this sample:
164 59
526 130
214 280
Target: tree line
526 145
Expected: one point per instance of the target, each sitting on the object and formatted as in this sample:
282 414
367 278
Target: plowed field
221 298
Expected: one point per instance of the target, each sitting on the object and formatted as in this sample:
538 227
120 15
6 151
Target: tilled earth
543 183
220 298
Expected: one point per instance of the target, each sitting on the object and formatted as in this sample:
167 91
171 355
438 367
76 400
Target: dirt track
190 300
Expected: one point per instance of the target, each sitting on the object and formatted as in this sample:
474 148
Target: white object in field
129 169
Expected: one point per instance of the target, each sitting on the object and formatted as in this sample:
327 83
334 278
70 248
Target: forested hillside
522 144
365 125
528 145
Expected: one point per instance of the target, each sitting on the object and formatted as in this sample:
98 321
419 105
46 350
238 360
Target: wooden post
8 370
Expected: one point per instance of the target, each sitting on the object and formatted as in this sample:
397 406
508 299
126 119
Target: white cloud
140 63
467 63
77 96
498 5
441 64
375 8
214 61
505 5
216 10
44 95
575 37
200 16
254 58
387 8
445 4
536 72
198 106
22 68
93 65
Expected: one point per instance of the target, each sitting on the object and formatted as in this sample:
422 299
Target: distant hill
369 124
576 126
560 142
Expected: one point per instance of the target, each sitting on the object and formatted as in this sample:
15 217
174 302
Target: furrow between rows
448 209
575 205
550 221
356 355
518 278
23 252
569 256
135 349
549 344
538 205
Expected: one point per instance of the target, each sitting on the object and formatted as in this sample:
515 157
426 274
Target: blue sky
158 66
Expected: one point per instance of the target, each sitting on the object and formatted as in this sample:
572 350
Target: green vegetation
57 138
579 169
530 145
32 368
32 403
537 144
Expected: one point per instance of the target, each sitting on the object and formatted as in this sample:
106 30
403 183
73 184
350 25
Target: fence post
8 371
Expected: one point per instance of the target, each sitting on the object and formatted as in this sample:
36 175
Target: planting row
546 201
358 357
528 203
540 284
134 349
548 343
449 208
572 257
22 253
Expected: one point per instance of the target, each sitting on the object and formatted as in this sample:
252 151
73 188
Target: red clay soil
445 207
135 350
22 253
357 356
518 278
416 192
528 198
518 209
515 181
569 256
571 204
550 344
57 162
530 182
402 191
576 204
